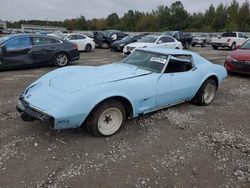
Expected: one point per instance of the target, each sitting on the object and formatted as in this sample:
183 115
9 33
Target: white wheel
110 121
107 118
114 37
209 93
206 93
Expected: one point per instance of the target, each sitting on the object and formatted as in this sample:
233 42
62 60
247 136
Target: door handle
172 74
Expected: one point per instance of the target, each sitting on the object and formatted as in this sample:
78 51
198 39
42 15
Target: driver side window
179 63
18 43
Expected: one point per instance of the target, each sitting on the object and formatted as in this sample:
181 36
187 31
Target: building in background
38 28
3 25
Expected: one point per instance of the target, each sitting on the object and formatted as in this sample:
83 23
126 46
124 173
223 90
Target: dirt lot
182 146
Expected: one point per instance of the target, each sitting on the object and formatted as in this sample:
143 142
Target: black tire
104 45
200 95
186 45
215 47
204 44
193 45
61 59
88 48
233 46
93 122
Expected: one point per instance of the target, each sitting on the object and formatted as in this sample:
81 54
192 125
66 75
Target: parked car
153 41
185 38
238 61
83 42
26 50
229 40
201 39
147 80
119 44
104 39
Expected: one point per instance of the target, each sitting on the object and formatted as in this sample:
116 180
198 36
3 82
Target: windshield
201 35
246 45
148 39
229 35
153 62
4 39
127 38
170 33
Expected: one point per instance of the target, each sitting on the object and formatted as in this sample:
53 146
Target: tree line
232 17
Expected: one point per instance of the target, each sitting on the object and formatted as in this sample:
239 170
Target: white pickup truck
228 39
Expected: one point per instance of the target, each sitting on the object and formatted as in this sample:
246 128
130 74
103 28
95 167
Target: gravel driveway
182 146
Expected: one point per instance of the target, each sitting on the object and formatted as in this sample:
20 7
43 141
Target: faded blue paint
69 94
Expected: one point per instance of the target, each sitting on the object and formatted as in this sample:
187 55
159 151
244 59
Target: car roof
166 51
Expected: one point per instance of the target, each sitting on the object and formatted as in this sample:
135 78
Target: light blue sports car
103 97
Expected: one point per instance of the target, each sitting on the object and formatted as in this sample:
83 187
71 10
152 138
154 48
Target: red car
238 61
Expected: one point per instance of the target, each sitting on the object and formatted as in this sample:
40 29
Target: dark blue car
26 50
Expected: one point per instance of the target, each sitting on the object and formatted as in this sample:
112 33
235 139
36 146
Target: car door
167 42
81 42
44 49
178 82
17 52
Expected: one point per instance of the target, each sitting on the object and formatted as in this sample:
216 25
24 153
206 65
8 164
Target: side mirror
245 37
3 50
159 42
67 39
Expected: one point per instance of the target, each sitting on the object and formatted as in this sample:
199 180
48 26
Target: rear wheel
88 48
61 59
215 47
206 93
106 119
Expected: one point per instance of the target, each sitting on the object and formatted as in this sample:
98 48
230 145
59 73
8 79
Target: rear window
229 35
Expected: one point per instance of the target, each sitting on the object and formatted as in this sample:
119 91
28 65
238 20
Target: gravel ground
182 146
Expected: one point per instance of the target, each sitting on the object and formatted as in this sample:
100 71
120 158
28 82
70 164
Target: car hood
77 78
60 85
141 44
240 54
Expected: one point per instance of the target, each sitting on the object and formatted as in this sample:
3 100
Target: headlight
230 58
121 45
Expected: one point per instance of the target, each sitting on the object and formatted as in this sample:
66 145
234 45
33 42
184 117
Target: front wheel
61 59
206 93
186 45
233 46
104 45
106 119
204 44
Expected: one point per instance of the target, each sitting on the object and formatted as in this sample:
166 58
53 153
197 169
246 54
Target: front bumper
29 114
242 67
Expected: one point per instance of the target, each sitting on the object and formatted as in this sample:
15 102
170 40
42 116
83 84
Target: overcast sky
13 10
